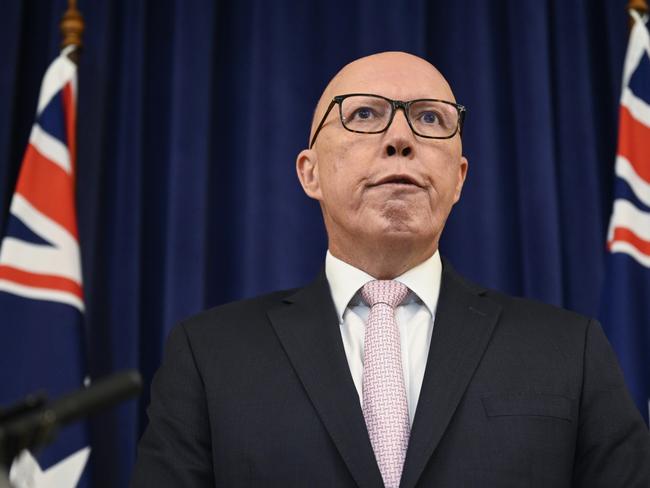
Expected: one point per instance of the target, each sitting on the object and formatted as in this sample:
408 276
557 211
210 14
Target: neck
381 261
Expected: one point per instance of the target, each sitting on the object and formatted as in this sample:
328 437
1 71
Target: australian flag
41 296
625 310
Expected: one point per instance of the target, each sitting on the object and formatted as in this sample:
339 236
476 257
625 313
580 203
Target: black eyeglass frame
395 105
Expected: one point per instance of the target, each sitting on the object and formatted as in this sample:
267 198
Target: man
389 369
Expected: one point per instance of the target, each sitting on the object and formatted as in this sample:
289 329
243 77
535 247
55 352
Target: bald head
385 73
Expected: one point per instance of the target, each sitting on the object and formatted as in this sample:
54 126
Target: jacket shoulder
524 312
232 327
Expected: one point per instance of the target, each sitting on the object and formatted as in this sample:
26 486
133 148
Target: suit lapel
463 325
307 327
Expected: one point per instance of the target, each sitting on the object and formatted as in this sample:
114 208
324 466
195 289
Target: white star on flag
26 472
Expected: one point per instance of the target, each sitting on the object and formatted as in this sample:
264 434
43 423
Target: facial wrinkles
369 165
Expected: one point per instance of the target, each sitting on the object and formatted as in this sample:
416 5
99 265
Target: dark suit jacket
515 394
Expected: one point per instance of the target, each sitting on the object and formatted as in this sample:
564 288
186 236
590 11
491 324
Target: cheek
342 177
344 160
444 180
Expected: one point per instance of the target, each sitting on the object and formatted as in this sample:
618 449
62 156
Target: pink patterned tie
384 395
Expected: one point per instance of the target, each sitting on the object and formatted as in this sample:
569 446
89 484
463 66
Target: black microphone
37 426
104 393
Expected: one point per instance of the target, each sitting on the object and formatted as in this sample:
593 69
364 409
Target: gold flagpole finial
72 26
640 6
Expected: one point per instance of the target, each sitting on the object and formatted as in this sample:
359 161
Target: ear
307 169
462 174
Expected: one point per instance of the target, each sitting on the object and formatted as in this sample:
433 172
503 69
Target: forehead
399 76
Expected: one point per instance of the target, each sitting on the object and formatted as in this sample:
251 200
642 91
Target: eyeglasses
371 114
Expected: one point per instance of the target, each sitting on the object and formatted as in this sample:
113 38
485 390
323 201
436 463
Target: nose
399 137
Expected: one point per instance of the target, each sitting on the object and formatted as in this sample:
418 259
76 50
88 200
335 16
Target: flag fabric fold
625 304
41 293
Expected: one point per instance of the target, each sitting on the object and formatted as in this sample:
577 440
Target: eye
429 118
363 113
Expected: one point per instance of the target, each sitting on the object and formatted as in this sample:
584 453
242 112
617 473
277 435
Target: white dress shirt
414 318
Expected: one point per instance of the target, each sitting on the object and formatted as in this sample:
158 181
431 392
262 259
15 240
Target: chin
401 234
401 223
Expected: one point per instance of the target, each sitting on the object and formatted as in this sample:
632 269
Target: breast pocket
528 404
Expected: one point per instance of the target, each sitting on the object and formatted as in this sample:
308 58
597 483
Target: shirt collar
345 281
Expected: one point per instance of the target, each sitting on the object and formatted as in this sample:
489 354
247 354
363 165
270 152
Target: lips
397 179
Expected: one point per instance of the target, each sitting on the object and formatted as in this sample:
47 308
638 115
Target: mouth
397 180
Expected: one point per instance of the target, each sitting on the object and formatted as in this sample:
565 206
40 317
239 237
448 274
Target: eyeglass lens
363 113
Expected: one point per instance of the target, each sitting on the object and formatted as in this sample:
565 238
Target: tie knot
390 292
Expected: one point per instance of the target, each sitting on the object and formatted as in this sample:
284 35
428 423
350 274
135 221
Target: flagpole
72 27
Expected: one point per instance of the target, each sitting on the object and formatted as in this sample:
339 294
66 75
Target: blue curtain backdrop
191 114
